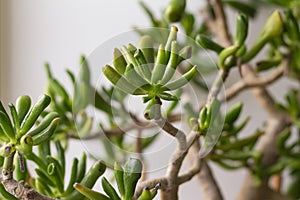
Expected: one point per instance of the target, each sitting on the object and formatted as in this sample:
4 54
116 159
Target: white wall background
59 31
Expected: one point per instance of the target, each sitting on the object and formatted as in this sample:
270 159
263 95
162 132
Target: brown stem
22 191
138 125
254 82
205 177
276 123
219 27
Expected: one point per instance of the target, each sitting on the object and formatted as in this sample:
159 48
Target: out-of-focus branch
136 125
204 176
219 26
276 123
254 82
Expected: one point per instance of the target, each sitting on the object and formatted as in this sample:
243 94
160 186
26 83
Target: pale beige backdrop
59 31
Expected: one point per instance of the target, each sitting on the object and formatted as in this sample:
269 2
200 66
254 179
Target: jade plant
158 71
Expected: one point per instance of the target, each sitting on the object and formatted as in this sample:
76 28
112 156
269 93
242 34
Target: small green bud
175 10
207 43
241 29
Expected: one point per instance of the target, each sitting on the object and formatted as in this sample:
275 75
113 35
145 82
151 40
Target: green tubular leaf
2 109
229 165
267 64
225 53
23 105
292 26
146 194
44 150
81 168
46 121
40 162
128 55
118 173
142 65
159 66
132 75
121 82
233 113
15 117
207 43
175 10
146 45
149 140
91 194
281 140
6 194
61 156
57 88
168 97
48 70
47 133
132 173
237 129
42 187
241 30
242 7
20 174
90 178
153 20
81 99
71 76
52 171
172 64
173 105
7 127
84 71
172 37
73 177
203 118
3 138
131 48
212 111
180 82
45 177
33 115
188 21
58 167
109 189
241 51
119 61
272 28
184 54
240 143
153 191
101 104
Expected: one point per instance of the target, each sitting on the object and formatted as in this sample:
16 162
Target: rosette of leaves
18 133
126 178
72 108
138 71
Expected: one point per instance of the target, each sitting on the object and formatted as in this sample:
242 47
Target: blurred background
33 32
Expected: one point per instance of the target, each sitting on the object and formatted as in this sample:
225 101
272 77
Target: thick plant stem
7 171
205 177
277 122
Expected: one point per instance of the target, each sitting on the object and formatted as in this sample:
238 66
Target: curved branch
253 82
